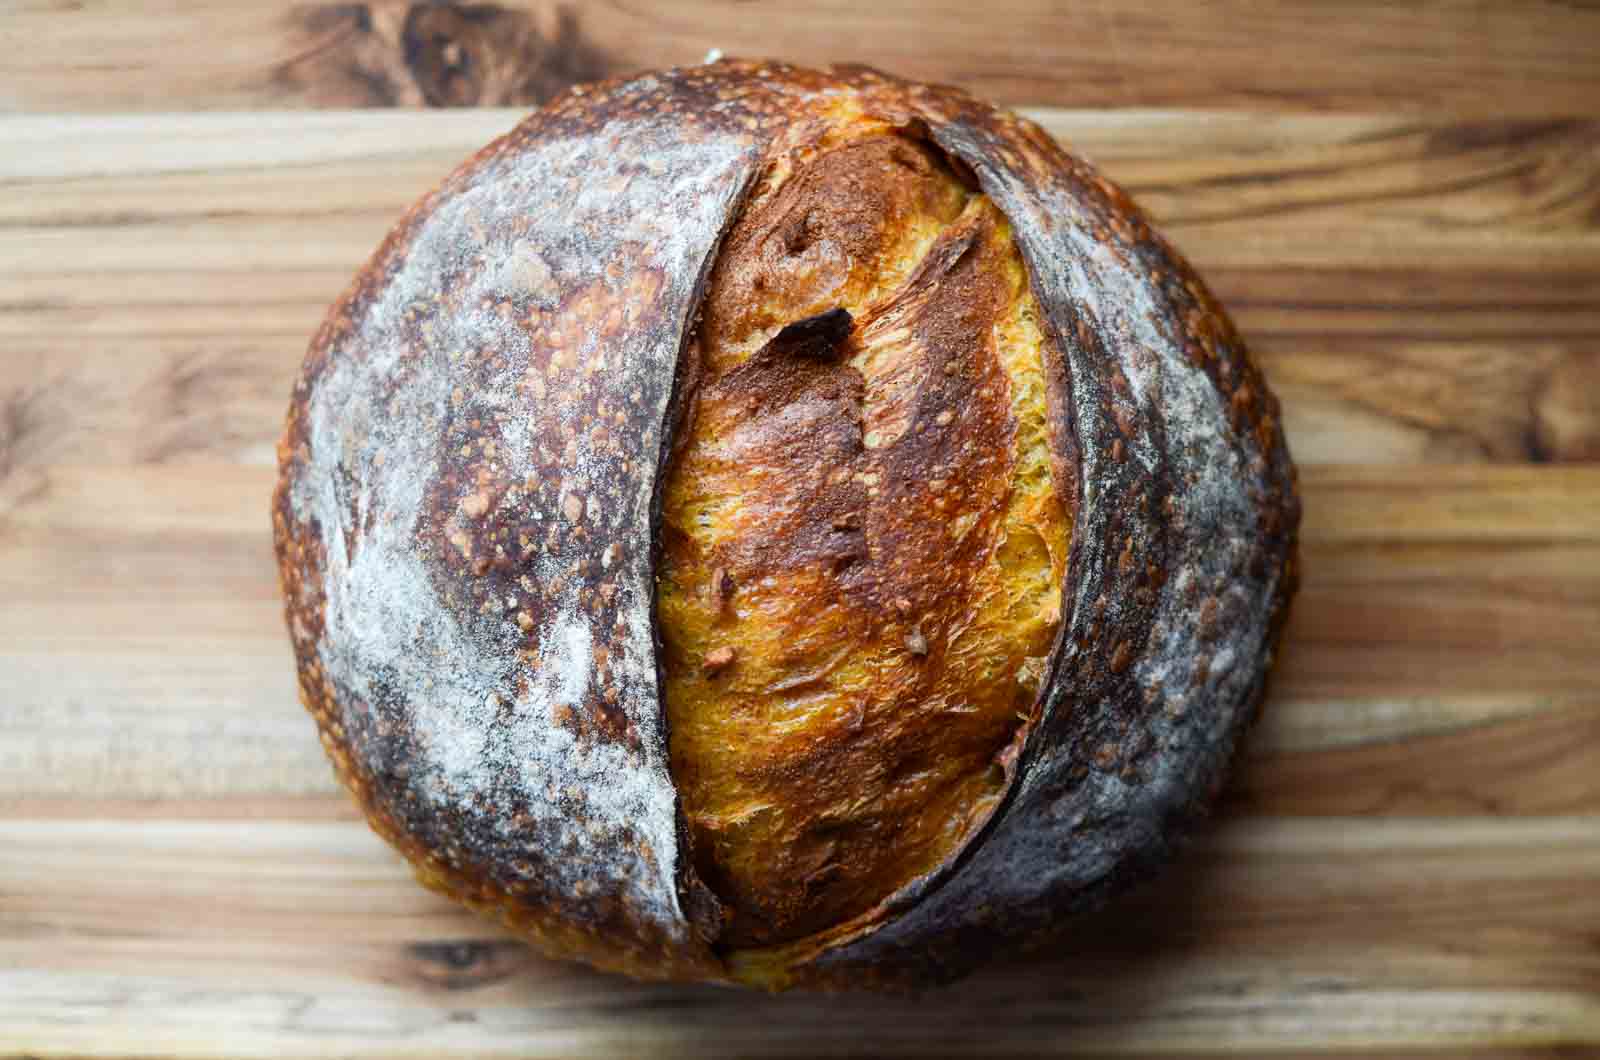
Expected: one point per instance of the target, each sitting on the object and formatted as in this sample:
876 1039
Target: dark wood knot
465 964
388 54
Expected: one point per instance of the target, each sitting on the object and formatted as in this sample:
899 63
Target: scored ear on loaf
785 527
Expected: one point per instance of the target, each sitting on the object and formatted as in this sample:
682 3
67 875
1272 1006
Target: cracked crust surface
864 531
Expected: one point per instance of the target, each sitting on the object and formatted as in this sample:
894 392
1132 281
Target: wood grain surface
1488 57
1401 206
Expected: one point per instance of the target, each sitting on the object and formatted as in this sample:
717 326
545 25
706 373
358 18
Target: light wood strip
1539 763
310 937
1489 57
1376 186
278 809
1468 506
219 392
1419 292
1442 649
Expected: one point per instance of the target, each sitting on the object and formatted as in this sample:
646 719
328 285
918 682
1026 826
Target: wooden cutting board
1400 205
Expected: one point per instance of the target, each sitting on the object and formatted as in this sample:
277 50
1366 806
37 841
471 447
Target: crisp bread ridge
465 516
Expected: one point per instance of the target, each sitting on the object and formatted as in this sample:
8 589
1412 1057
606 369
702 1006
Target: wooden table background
1400 204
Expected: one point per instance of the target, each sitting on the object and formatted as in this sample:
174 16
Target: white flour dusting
448 336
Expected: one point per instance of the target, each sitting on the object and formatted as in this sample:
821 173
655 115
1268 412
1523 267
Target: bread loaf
785 527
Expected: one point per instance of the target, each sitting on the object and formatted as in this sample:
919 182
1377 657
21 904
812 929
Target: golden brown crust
443 706
832 223
852 530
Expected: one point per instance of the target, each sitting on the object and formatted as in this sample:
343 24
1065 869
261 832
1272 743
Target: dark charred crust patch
820 337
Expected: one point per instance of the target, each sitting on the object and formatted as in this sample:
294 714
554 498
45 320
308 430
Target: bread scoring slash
715 390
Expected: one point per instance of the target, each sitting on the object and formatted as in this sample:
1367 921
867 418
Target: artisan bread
785 527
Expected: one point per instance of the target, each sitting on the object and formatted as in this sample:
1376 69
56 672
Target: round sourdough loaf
787 527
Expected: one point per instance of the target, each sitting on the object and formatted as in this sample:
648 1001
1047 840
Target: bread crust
467 513
863 546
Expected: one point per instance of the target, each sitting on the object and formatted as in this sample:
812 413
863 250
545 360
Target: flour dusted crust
466 524
464 517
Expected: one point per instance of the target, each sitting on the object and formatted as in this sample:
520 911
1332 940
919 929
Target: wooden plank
1495 57
1407 859
310 938
1522 189
220 393
244 810
1419 292
1442 649
1543 762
